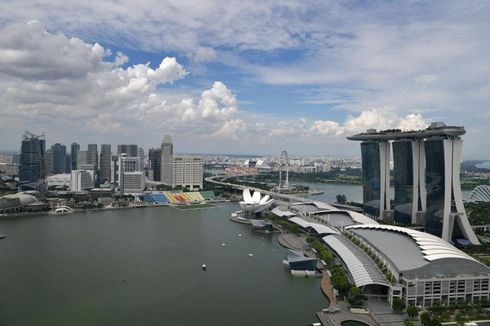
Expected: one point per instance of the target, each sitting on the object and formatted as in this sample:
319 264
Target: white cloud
325 127
205 54
53 81
231 129
412 122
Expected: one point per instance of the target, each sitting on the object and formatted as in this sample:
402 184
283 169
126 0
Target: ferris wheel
284 166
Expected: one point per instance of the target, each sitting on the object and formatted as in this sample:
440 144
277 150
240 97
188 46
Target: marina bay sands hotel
426 179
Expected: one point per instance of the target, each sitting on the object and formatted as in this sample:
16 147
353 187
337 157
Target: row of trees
370 252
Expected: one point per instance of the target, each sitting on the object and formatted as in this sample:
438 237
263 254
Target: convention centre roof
362 269
319 228
418 254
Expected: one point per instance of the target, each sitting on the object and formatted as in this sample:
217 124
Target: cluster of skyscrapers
129 169
426 179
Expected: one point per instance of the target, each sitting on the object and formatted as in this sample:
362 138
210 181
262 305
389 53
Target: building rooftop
319 228
419 254
362 269
434 130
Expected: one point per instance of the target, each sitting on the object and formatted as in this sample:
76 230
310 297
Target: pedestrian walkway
327 288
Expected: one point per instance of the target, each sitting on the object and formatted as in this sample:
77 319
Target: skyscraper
105 163
155 161
409 178
141 156
167 160
376 177
32 163
81 158
187 172
48 162
59 158
427 171
130 179
93 156
130 149
74 155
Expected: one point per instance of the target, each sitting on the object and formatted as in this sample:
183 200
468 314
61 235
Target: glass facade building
32 162
59 158
435 183
130 149
403 179
75 147
105 163
371 175
155 158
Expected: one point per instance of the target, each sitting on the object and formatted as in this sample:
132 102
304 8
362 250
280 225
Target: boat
62 210
2 236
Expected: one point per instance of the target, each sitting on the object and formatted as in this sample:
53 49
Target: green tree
398 305
408 322
356 296
412 311
433 322
425 317
341 199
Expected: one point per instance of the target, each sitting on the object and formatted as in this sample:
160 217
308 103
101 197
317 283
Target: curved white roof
361 268
319 228
481 193
25 199
431 247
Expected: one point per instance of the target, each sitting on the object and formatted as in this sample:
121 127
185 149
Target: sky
242 76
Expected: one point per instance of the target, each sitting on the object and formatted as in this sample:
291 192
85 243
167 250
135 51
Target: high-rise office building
32 162
59 158
141 156
187 172
82 180
68 163
427 178
376 177
48 161
409 179
155 161
74 154
81 158
167 160
93 156
130 149
105 163
130 179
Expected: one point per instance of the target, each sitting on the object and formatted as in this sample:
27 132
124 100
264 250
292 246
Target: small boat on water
2 236
62 210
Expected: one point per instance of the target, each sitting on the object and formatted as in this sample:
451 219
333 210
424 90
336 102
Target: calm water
143 267
352 192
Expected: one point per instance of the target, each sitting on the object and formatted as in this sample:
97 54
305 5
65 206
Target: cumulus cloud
369 119
231 129
70 82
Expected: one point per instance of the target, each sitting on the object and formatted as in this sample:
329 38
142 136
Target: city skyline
243 82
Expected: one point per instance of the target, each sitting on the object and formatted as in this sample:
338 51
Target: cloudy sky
242 76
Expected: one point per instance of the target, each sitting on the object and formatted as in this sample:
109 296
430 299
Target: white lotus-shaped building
255 202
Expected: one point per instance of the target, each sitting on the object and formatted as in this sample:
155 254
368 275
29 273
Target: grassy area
461 312
479 213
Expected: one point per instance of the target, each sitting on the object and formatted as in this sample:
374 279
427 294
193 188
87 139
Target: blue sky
234 76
